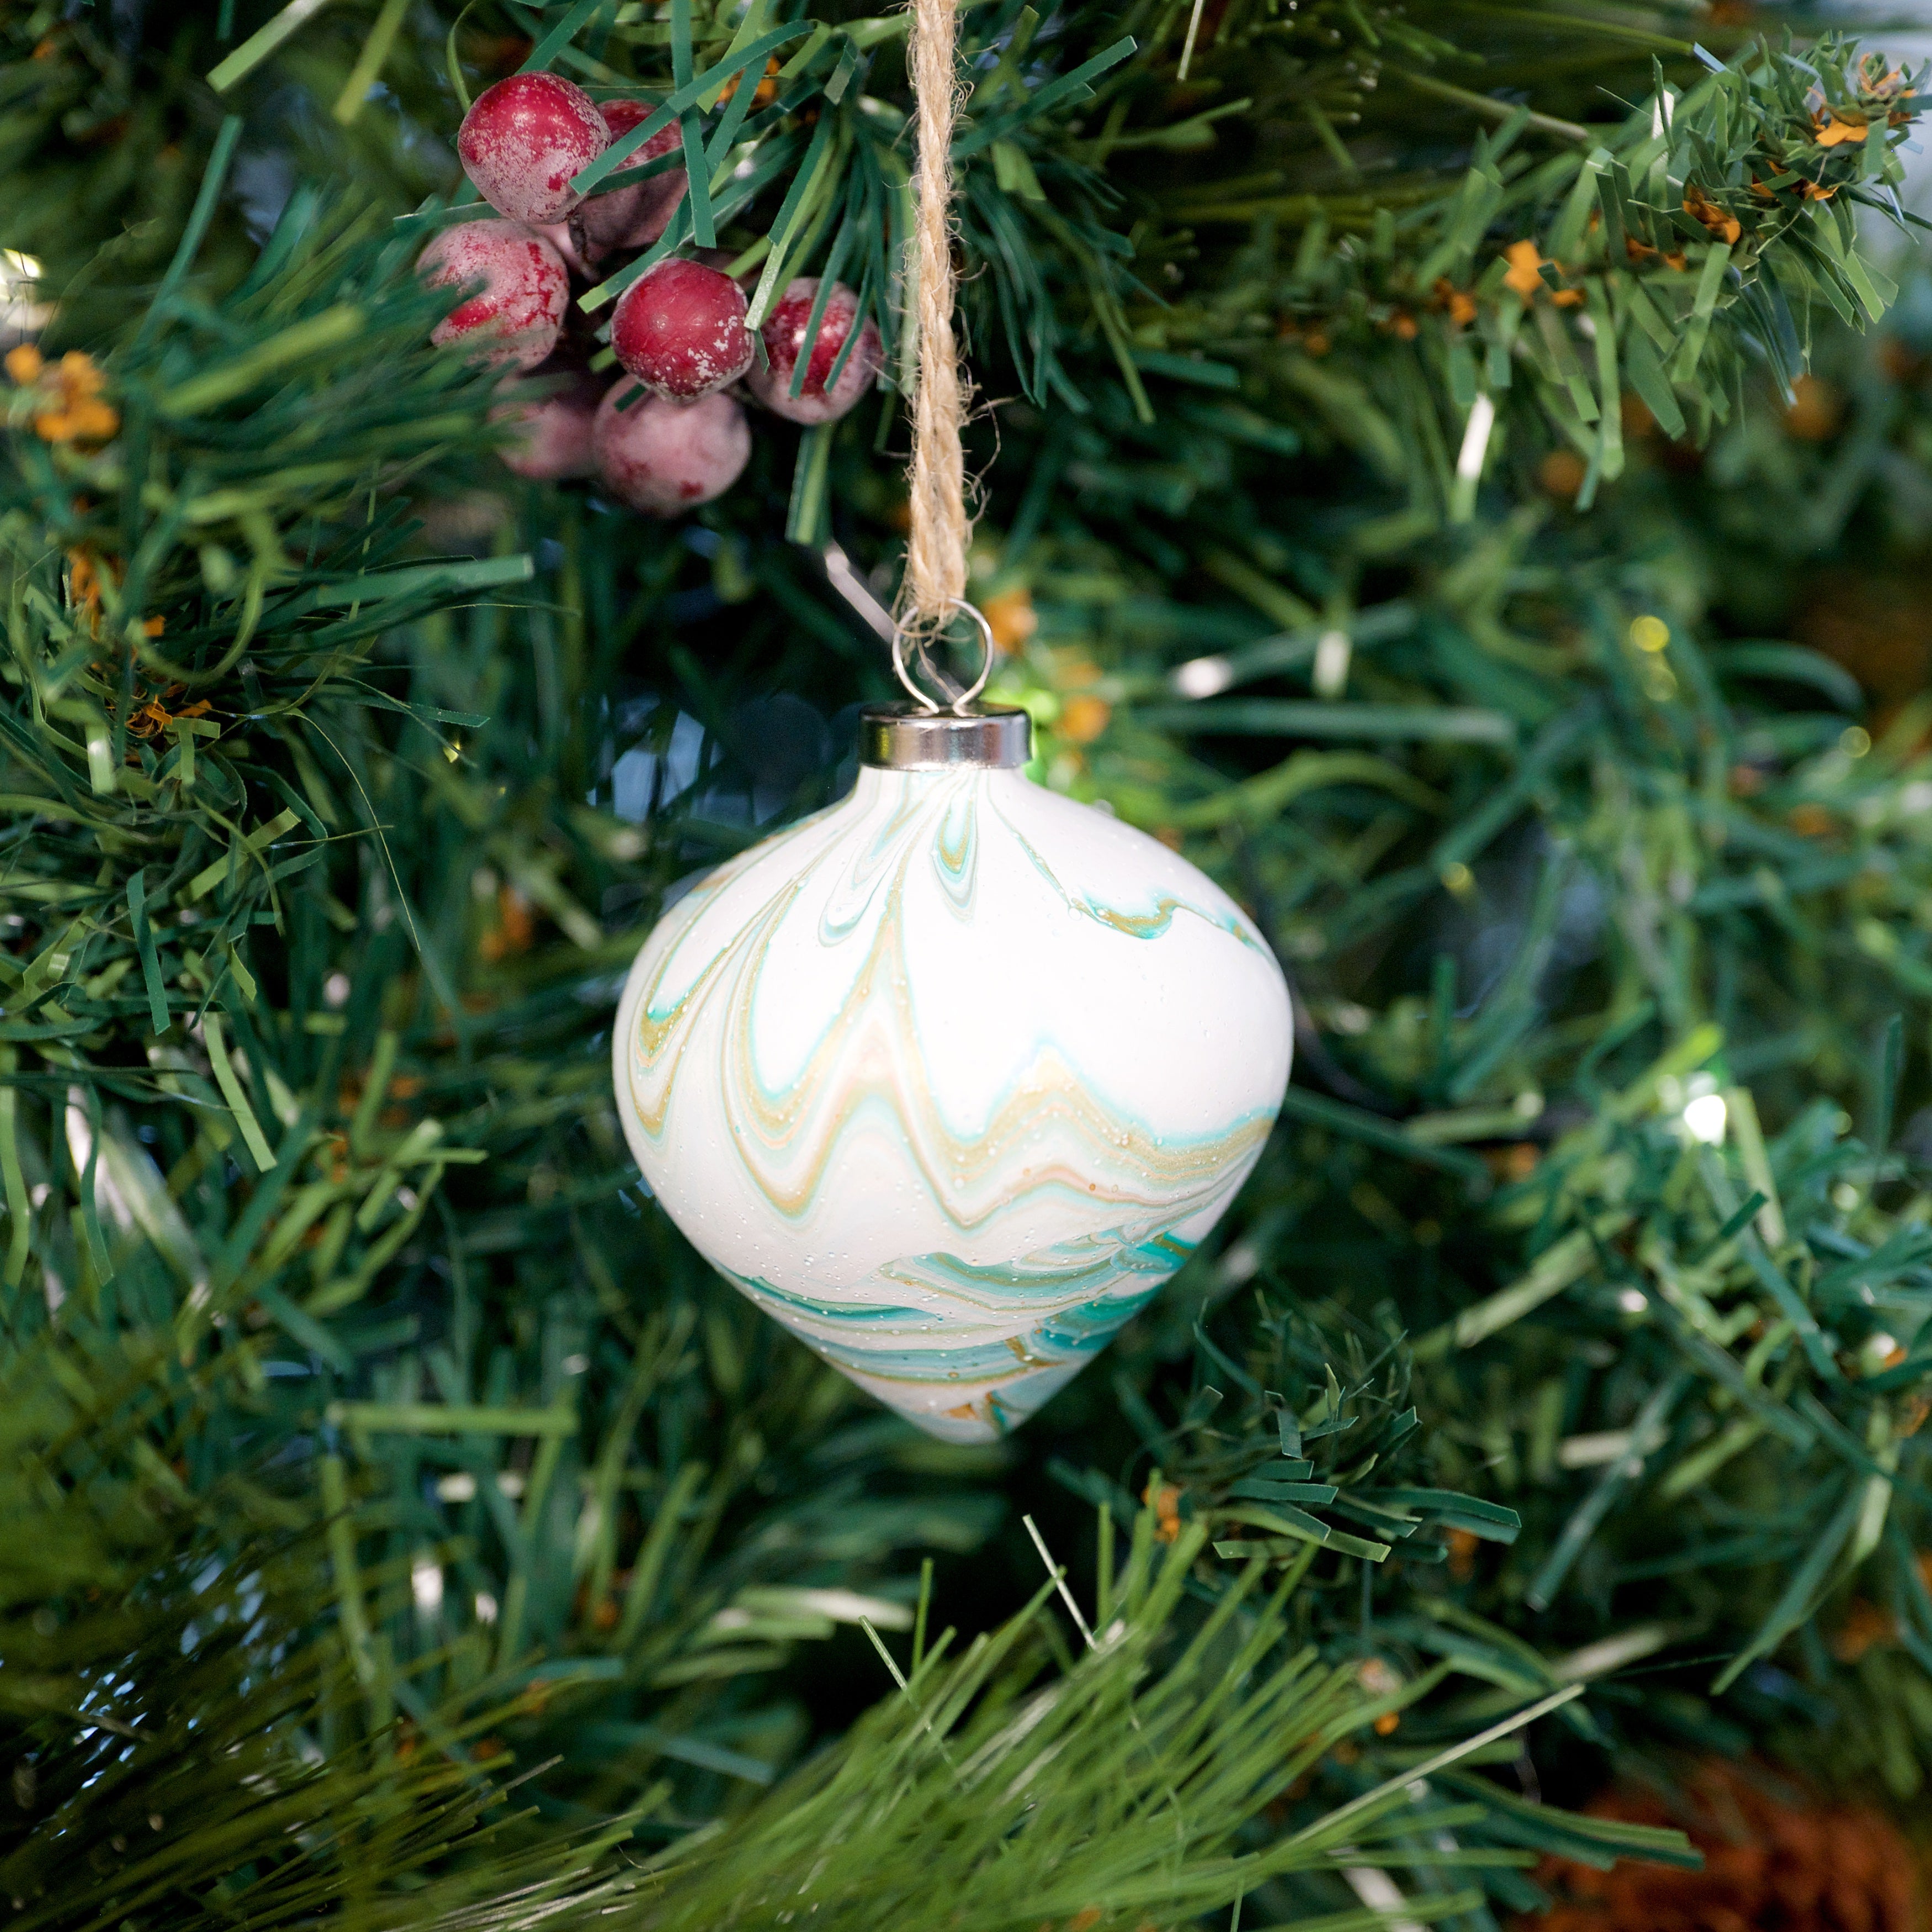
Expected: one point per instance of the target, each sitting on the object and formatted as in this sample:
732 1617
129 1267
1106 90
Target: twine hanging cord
934 585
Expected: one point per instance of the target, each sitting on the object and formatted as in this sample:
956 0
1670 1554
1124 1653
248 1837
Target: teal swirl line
1068 1338
876 1339
1152 924
1034 1280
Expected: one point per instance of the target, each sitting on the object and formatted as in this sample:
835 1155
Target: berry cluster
681 331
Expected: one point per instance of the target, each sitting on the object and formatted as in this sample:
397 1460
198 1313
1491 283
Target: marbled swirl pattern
949 1078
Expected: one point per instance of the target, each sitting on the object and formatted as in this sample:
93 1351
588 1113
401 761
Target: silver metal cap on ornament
904 737
952 732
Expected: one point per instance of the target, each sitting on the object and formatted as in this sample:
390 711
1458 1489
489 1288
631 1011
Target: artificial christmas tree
1397 492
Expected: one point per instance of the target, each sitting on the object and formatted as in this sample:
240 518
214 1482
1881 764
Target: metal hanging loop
957 706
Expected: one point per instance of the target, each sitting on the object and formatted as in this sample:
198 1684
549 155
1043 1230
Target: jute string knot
935 572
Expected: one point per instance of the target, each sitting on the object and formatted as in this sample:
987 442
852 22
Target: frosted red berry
550 437
661 457
681 330
580 260
635 216
523 140
515 318
784 343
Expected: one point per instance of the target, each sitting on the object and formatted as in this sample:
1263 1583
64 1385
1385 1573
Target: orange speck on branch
1011 618
1164 1499
71 410
1716 221
1833 127
763 95
1460 305
1083 718
1816 409
1526 268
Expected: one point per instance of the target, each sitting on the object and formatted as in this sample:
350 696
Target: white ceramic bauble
950 1078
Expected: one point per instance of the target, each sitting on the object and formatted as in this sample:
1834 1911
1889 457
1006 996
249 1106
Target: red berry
518 316
635 216
580 261
524 139
551 437
785 341
681 329
661 457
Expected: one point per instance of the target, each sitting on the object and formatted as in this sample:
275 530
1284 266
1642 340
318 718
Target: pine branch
167 1688
305 993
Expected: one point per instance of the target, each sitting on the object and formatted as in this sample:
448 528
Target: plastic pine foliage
1441 484
172 1709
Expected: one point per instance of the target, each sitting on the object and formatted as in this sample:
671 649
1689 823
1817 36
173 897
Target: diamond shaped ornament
950 1078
